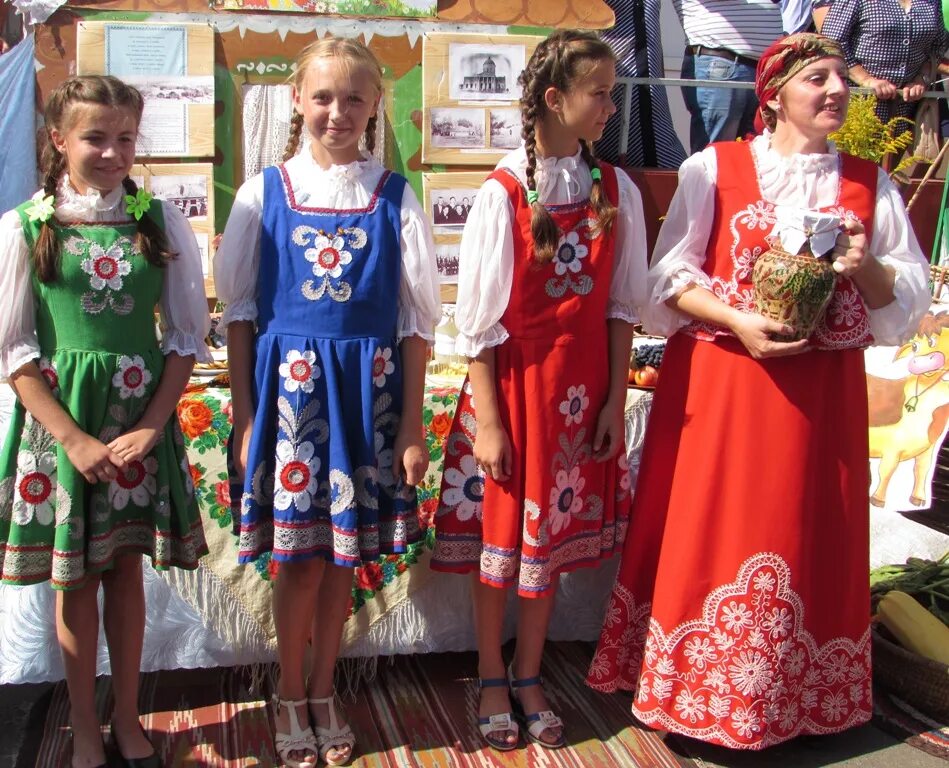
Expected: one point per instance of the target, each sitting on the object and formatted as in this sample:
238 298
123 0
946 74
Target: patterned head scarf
783 59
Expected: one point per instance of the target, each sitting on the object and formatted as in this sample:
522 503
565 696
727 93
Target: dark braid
557 62
151 238
106 91
605 210
296 130
46 250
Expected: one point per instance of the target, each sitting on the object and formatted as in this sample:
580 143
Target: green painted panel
225 142
407 99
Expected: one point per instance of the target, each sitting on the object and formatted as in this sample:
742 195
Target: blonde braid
296 130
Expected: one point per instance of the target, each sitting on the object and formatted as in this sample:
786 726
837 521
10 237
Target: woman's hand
610 431
492 451
240 445
882 89
410 456
850 250
135 444
914 90
94 460
756 333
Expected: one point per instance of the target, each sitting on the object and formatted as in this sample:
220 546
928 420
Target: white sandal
298 740
335 736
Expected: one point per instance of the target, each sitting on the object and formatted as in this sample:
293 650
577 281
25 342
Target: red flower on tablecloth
222 493
426 513
195 474
273 568
195 417
369 577
441 425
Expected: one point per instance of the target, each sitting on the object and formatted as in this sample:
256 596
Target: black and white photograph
457 128
505 128
450 207
188 193
446 258
481 72
197 89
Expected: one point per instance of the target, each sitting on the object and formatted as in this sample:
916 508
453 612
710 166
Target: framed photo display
191 188
449 197
470 96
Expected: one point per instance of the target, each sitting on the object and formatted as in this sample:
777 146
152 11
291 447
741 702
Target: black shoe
120 761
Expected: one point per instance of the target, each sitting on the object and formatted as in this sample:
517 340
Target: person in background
724 40
651 138
797 15
891 47
740 612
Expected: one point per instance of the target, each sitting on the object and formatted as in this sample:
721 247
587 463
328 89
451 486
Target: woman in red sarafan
740 615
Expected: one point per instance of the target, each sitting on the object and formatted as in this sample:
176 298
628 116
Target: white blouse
183 306
802 181
237 260
486 260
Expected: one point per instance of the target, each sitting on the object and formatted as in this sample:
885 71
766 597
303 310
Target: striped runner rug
416 712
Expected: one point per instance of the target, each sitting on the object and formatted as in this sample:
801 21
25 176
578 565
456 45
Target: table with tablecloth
220 614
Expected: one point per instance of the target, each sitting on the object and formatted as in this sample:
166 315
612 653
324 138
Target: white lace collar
798 162
71 204
343 173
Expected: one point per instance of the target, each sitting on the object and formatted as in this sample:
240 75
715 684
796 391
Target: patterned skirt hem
806 727
245 557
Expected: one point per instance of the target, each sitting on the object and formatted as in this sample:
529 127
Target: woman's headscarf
783 59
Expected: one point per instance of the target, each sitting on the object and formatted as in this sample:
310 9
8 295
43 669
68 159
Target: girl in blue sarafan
330 256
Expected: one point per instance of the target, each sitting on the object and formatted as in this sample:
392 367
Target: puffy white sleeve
237 260
184 305
894 244
419 293
18 342
485 271
682 242
630 263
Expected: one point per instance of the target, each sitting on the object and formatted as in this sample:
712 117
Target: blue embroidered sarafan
327 382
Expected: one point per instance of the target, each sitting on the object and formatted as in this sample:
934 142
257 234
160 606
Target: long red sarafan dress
741 611
560 509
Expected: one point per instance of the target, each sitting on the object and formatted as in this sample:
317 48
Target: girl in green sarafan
93 471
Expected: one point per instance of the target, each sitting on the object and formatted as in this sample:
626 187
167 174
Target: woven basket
920 682
792 289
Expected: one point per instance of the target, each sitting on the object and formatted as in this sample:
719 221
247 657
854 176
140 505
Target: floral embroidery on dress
574 406
299 371
382 366
136 483
35 487
568 261
132 377
747 671
48 371
106 269
463 489
565 499
329 255
297 480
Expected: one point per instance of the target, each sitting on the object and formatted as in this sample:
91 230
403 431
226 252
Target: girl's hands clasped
410 456
93 459
135 444
492 451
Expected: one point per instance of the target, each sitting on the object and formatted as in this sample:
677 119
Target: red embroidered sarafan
560 509
743 221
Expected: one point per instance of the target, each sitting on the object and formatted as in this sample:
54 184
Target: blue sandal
538 722
499 723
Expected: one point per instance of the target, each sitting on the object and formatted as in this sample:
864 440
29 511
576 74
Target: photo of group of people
450 207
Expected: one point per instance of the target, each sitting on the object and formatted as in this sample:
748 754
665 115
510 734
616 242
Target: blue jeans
718 114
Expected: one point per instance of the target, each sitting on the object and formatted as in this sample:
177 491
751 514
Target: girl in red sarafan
552 272
740 615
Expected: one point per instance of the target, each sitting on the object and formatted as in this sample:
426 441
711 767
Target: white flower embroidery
382 366
746 722
299 371
764 581
132 377
565 500
136 483
691 706
576 403
751 673
465 488
34 488
778 622
328 256
106 267
569 254
297 480
833 706
699 652
846 308
736 617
